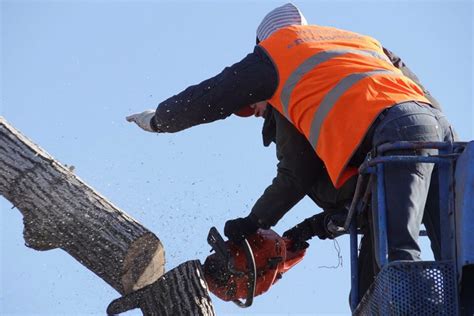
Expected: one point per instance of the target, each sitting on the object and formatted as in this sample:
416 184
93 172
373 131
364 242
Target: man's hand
143 120
304 231
299 235
316 225
238 229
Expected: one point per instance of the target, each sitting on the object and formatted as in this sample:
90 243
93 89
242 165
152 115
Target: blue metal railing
448 152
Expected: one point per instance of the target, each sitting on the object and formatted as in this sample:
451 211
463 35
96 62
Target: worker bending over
333 96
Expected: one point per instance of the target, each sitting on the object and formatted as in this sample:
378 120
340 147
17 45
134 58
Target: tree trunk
61 211
181 291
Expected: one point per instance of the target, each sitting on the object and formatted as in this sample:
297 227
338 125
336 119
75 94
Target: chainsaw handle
252 282
218 244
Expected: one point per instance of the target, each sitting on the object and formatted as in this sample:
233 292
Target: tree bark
61 211
181 291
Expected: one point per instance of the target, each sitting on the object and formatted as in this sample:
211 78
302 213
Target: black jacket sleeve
298 170
397 62
251 80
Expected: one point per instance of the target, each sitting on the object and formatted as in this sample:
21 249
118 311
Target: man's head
286 15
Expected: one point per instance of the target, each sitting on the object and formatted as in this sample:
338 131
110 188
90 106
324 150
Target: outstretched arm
252 79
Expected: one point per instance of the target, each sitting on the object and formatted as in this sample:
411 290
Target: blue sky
71 72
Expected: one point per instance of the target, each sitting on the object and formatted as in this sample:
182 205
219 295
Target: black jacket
253 79
300 172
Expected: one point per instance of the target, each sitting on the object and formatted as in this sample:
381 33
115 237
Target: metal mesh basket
412 288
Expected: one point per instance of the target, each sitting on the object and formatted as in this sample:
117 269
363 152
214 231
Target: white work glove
143 120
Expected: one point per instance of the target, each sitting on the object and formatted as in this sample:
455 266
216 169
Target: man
344 92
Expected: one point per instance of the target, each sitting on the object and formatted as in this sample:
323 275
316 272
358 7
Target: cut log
61 211
181 291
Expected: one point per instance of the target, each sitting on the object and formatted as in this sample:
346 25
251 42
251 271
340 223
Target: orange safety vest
332 86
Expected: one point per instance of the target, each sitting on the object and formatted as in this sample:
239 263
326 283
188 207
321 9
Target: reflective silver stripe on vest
313 62
332 97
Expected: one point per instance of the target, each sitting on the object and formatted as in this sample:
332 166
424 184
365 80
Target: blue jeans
408 186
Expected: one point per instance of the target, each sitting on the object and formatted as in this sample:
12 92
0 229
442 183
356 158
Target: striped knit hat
287 14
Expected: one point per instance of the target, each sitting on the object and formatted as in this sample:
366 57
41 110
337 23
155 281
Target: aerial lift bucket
442 287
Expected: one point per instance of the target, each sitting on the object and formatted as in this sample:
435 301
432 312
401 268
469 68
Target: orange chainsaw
243 271
235 271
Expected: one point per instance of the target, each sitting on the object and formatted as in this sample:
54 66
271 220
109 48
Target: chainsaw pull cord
252 275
